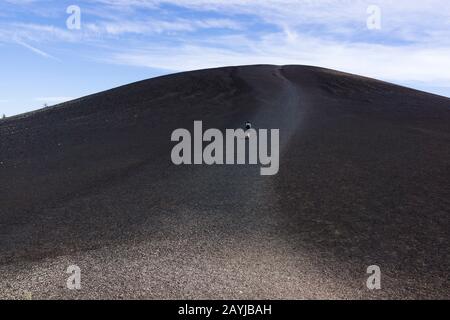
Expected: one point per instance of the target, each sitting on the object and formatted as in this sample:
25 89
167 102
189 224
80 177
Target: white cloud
152 26
41 33
413 44
20 1
398 63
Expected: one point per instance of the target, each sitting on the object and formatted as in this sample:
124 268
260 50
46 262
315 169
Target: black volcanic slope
364 180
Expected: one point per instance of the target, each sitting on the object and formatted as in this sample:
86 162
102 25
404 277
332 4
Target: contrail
36 50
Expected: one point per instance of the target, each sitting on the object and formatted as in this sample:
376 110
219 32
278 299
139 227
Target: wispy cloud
21 1
394 64
152 26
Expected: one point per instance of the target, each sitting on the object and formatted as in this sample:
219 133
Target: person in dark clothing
248 126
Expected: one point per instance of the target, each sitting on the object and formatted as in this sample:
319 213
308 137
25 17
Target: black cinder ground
363 181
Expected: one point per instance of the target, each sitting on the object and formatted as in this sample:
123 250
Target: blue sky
42 61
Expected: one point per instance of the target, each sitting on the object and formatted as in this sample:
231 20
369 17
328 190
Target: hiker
248 126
